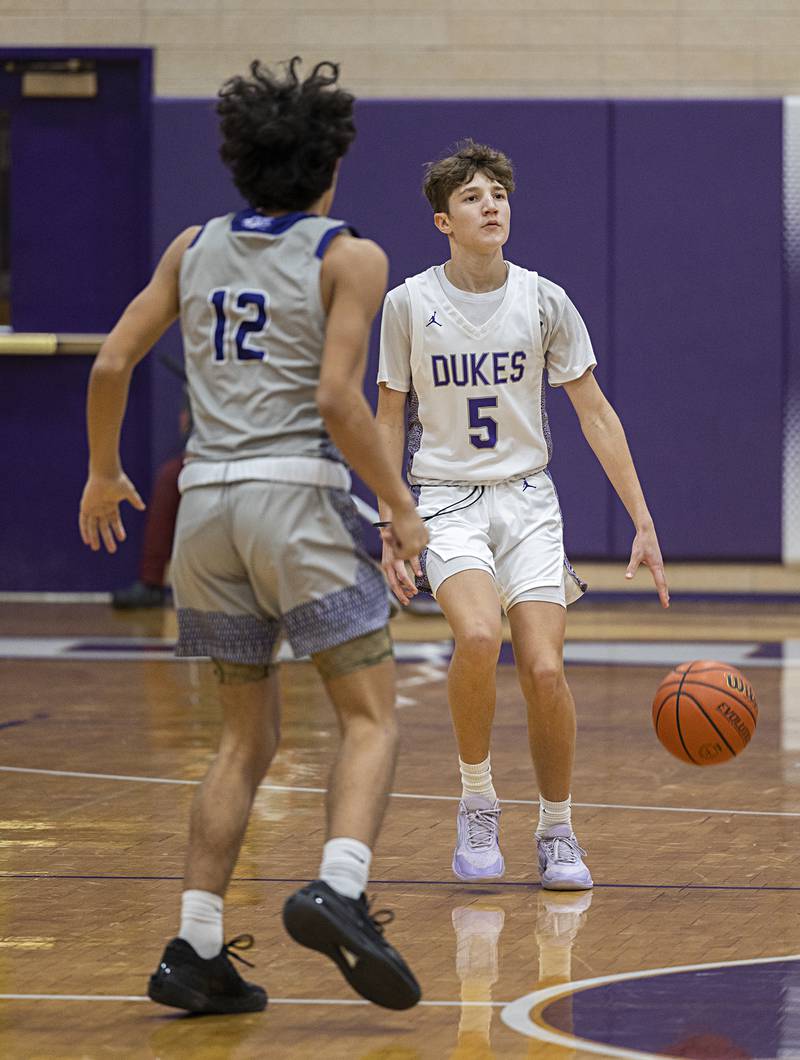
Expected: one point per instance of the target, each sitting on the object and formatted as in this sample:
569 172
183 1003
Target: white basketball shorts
512 530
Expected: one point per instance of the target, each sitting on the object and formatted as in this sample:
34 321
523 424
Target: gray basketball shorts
256 561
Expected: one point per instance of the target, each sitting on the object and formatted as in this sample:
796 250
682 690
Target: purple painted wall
698 328
661 219
663 222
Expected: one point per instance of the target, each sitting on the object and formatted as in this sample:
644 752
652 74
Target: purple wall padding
662 221
80 209
653 216
698 346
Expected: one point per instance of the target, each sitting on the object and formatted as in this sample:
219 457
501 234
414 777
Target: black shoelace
380 918
241 942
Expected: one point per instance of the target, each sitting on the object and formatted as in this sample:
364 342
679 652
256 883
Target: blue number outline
221 303
478 423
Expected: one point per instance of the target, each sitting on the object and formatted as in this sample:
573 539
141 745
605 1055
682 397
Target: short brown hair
443 177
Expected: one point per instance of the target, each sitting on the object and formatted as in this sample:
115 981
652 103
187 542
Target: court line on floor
485 884
517 1014
272 1000
403 794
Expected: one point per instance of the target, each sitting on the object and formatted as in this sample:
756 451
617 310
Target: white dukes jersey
476 408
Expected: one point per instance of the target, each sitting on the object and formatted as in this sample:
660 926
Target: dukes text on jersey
493 368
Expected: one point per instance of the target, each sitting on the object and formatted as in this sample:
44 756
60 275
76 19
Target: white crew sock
477 779
345 866
553 813
201 922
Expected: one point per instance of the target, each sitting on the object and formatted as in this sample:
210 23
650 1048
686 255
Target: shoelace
564 849
241 942
481 828
380 918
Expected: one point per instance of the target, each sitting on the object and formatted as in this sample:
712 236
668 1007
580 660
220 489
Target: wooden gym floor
104 737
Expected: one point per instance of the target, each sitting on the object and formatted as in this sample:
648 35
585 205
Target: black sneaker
345 930
140 594
185 980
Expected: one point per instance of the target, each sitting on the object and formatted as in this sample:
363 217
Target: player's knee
357 654
231 673
544 677
481 642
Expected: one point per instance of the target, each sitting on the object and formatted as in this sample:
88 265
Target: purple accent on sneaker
477 855
561 860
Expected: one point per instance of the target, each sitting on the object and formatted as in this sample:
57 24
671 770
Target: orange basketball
705 712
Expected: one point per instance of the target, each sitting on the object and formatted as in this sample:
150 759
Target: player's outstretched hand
407 532
99 517
646 550
399 555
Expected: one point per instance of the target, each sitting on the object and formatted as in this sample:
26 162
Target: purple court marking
112 645
737 1012
13 723
611 596
455 884
649 653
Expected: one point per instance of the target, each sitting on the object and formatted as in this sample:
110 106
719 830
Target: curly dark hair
282 137
444 176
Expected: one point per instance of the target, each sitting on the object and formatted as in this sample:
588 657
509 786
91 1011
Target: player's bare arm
353 282
603 431
143 322
390 419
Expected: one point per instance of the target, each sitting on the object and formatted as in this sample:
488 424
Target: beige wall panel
714 31
448 48
732 7
33 7
199 31
778 31
102 7
780 66
112 30
186 7
33 29
516 31
654 66
271 40
717 64
640 31
373 31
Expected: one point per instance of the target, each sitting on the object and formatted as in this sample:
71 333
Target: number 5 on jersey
241 317
480 422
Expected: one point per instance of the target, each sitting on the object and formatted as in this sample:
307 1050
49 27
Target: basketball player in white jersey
464 350
276 303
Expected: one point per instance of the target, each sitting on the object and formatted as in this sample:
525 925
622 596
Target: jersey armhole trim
578 373
197 237
395 384
330 235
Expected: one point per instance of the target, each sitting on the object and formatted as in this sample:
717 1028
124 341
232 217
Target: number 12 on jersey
479 422
239 314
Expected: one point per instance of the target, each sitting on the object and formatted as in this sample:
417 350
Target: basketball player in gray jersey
276 304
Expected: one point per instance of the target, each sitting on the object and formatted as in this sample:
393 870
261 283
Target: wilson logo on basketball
733 719
735 682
